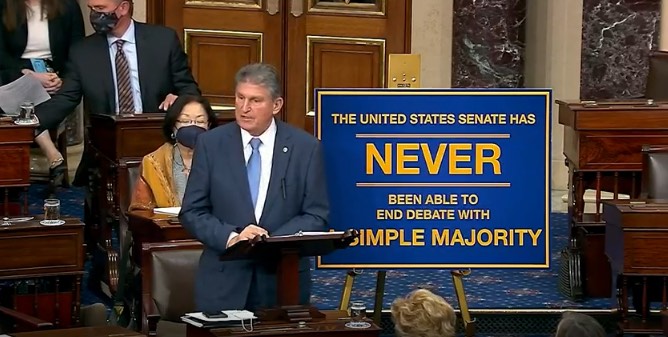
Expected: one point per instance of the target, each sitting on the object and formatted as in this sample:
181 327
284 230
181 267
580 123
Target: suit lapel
238 168
281 159
143 63
102 59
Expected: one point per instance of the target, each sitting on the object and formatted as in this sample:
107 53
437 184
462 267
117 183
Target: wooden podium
636 242
286 251
602 145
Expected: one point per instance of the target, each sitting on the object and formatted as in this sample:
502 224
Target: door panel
334 44
343 63
205 47
313 43
348 7
222 36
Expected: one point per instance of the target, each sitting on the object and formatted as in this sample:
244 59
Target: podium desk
636 242
147 227
15 141
50 257
602 146
332 325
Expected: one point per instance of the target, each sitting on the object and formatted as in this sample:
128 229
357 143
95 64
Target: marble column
488 43
553 46
431 37
617 36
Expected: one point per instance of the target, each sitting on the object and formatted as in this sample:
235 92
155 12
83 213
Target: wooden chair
166 298
22 321
654 178
657 78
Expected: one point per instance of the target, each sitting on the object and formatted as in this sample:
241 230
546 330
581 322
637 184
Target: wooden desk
98 331
47 256
636 242
330 326
15 141
602 145
147 227
114 139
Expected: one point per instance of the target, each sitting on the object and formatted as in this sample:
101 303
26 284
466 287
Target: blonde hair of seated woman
423 314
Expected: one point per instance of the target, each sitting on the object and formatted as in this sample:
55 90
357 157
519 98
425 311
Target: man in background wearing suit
127 67
257 176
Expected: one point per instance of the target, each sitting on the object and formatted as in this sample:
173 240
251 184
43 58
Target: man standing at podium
127 67
257 176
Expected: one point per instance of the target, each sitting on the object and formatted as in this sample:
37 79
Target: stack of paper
167 210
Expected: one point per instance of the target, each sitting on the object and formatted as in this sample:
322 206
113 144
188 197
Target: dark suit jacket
217 202
64 32
163 69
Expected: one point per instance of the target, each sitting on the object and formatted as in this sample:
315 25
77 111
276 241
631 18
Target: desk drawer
646 252
35 253
15 168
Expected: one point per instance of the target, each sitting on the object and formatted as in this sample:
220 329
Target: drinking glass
51 212
358 316
26 113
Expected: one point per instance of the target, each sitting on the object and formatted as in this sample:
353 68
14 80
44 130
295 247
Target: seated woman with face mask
164 172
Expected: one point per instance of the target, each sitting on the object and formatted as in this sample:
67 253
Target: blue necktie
253 168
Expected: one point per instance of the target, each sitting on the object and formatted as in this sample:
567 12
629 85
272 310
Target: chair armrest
150 316
33 322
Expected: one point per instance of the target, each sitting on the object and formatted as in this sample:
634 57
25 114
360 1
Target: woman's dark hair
174 111
15 11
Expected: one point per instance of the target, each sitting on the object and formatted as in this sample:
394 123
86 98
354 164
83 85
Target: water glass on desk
26 113
358 316
51 212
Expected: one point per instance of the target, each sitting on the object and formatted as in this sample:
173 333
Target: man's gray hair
261 74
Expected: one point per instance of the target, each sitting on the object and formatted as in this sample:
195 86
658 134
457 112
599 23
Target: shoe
57 175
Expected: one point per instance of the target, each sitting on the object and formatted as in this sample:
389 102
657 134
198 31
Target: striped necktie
124 89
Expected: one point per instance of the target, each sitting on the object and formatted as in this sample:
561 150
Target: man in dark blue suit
257 176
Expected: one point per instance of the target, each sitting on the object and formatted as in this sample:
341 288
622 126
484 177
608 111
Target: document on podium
25 89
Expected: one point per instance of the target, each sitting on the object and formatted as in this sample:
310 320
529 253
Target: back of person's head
423 314
575 324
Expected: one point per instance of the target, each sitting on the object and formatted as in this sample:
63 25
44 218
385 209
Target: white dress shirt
38 45
130 50
266 149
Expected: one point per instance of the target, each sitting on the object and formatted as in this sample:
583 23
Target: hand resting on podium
247 234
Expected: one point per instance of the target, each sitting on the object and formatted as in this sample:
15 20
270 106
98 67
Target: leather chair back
168 279
657 78
655 172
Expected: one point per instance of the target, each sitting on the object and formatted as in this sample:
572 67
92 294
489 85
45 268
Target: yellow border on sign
414 92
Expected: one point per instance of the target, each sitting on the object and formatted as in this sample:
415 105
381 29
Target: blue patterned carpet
485 288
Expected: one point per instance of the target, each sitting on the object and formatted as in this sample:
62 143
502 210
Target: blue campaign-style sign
437 178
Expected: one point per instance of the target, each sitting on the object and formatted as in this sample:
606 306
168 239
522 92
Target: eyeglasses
189 122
